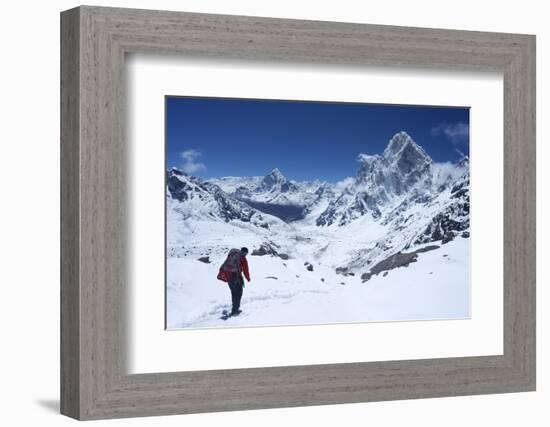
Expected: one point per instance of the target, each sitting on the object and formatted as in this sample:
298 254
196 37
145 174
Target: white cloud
343 184
444 171
458 133
367 158
190 165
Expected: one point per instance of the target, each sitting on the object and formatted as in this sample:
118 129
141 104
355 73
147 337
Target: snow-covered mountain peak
191 200
276 181
368 161
464 163
176 171
402 150
397 143
402 165
403 171
274 177
276 173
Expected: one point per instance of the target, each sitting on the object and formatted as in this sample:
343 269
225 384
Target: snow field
286 293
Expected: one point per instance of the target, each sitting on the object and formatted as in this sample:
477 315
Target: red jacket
244 268
226 275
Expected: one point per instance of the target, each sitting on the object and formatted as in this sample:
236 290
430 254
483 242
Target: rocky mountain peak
179 184
464 163
275 180
275 176
402 164
396 143
402 147
175 171
402 168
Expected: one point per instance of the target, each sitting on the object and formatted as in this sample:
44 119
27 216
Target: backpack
233 261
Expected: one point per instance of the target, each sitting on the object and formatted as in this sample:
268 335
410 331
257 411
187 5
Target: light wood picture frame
94 268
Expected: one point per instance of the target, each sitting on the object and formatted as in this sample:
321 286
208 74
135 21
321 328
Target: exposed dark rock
452 220
341 270
242 193
205 259
272 277
178 172
344 271
178 189
447 238
427 248
365 276
287 186
259 252
458 187
465 234
460 193
441 226
284 256
265 249
400 259
309 267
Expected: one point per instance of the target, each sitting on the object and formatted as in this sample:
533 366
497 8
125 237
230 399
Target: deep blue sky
215 137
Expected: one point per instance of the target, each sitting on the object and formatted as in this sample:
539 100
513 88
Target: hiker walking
231 272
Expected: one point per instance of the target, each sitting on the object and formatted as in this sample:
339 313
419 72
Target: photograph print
285 212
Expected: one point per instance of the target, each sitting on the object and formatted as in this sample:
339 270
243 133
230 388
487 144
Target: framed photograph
345 211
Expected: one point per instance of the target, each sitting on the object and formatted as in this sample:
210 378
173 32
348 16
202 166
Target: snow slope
286 293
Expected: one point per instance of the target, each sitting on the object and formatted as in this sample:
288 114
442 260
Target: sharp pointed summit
403 167
402 145
403 163
276 181
275 175
276 171
396 143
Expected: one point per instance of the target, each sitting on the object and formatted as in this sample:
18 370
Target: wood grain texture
95 238
70 292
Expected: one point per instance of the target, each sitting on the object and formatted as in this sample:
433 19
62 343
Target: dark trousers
236 284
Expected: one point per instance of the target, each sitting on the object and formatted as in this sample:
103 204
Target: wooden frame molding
94 382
